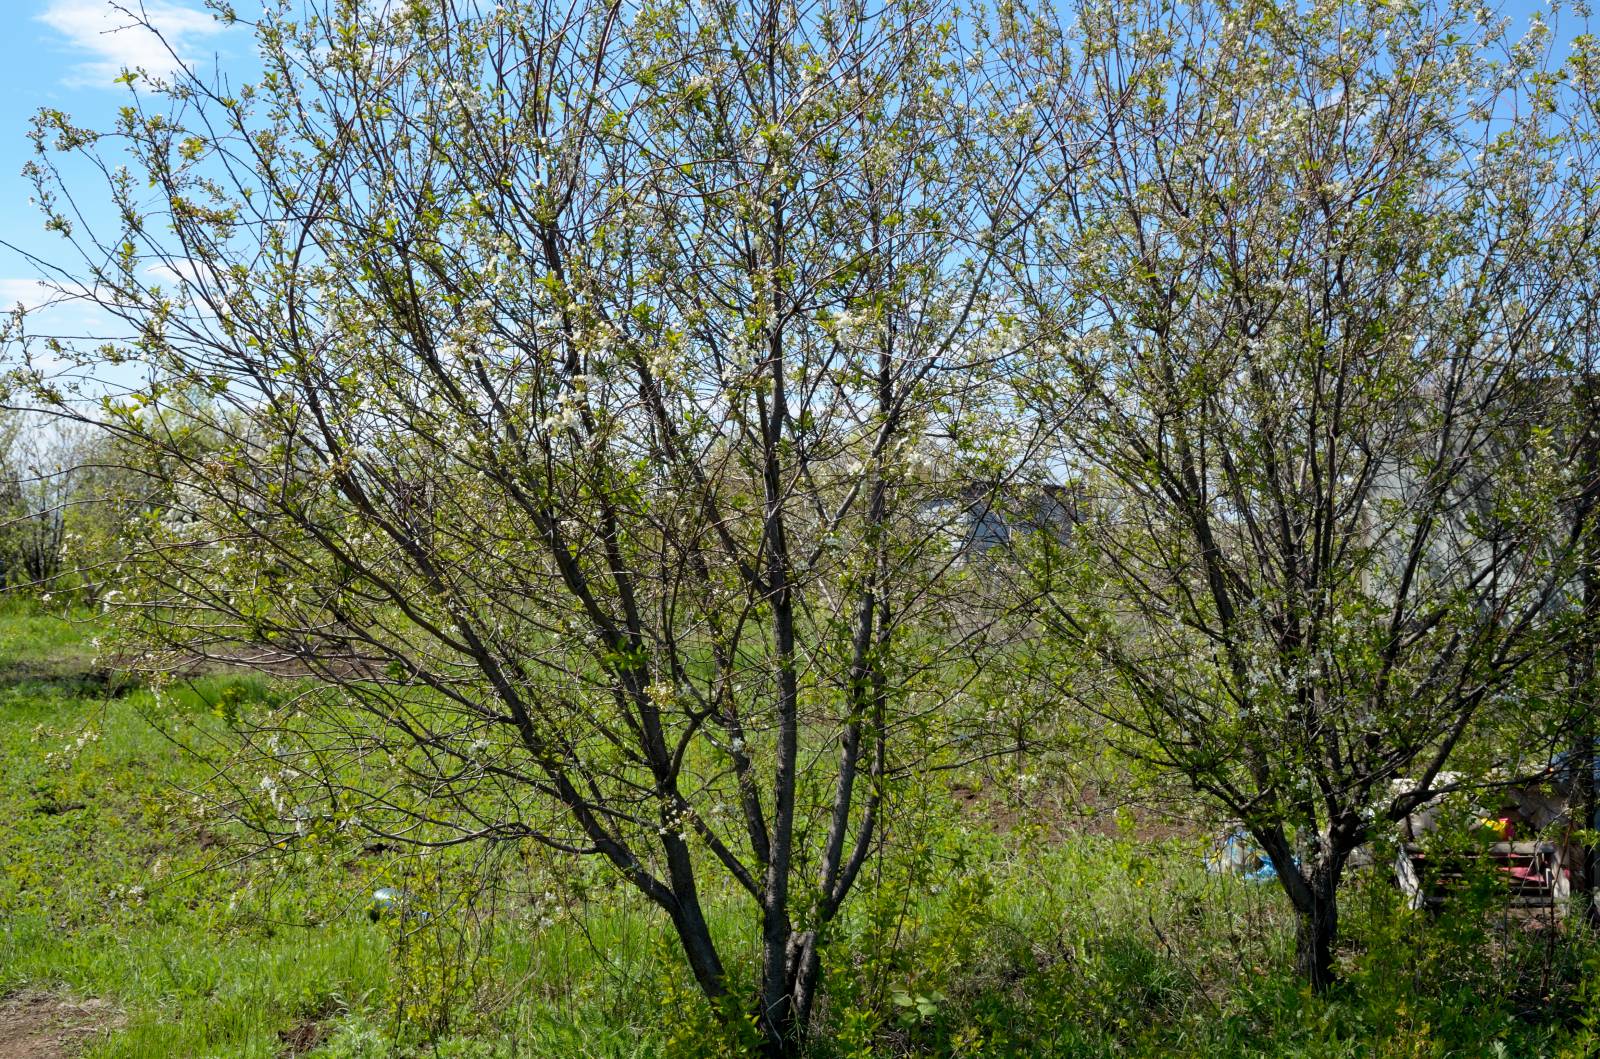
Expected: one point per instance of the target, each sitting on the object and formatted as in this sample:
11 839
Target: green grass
40 643
112 888
963 942
112 885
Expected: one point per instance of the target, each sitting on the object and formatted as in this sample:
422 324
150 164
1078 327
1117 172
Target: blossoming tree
564 368
1316 318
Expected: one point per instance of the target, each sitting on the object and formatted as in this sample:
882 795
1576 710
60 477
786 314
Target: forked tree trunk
800 983
1313 890
786 1000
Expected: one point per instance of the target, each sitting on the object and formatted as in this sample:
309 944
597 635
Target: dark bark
1313 890
699 949
1586 800
1316 934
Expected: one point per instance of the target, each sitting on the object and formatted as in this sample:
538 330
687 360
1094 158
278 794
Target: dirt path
48 1026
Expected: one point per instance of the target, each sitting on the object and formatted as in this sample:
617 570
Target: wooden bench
1532 870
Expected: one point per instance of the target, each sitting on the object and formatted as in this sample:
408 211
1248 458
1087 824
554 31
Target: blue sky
65 54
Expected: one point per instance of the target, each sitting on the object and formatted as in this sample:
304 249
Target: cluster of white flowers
464 96
269 787
852 323
546 908
664 364
676 820
133 895
564 418
64 757
1284 122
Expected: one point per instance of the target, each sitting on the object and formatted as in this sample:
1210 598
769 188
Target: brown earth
302 1038
1067 811
37 1025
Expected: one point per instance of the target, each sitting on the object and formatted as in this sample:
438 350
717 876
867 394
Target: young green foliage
1311 333
568 375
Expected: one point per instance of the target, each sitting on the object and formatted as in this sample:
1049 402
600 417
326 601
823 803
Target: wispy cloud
111 36
63 310
29 293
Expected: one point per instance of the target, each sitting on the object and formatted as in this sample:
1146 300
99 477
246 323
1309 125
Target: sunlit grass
964 939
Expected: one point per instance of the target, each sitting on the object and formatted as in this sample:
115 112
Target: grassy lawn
116 890
114 886
111 888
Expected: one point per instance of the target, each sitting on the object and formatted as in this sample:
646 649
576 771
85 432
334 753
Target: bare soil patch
311 1031
1072 810
36 1025
302 1038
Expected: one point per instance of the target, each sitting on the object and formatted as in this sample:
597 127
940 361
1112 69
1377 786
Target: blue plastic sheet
1236 853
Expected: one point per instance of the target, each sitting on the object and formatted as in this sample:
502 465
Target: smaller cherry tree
1311 346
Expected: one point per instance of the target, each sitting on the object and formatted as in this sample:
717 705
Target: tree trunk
1585 808
1313 890
699 949
784 1022
807 971
776 1014
1316 933
1586 791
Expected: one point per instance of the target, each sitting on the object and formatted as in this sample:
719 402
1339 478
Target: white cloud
179 270
60 310
30 293
112 36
